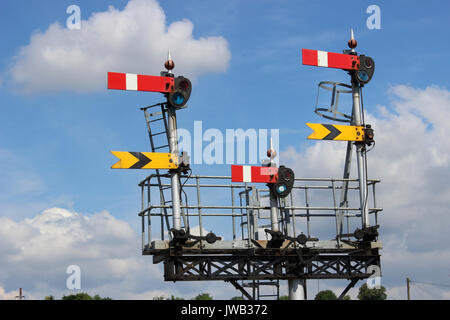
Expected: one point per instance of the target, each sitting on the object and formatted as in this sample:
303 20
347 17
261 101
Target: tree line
365 293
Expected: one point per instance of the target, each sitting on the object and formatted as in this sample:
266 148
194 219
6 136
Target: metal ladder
155 118
249 218
256 289
251 198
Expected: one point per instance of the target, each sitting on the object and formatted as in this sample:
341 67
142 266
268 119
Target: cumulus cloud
412 158
134 40
8 295
35 253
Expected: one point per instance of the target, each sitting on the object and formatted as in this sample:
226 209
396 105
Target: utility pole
408 288
20 296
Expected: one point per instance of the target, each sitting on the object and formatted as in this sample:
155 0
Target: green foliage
49 298
237 298
83 296
97 297
325 295
203 296
283 298
371 294
78 296
164 298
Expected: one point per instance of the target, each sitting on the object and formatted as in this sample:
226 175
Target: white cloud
134 40
412 158
195 230
418 291
8 295
35 253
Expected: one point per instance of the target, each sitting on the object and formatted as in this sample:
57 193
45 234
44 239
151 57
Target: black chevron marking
143 160
333 132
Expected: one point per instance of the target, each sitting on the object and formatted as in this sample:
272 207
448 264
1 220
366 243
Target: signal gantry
270 209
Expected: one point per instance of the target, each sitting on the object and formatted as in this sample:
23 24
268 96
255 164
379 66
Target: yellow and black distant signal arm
145 160
336 132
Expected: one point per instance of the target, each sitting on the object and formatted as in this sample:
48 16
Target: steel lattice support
269 266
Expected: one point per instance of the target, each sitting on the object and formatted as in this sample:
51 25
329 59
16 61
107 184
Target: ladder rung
268 283
154 120
157 134
161 147
251 285
155 114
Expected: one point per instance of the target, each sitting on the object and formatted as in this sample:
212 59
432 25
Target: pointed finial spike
352 43
169 64
271 153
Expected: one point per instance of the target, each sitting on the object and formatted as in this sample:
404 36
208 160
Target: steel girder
319 265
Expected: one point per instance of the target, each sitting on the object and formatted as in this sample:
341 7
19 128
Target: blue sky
54 144
69 135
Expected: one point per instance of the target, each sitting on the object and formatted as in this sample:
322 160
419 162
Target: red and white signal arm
138 82
330 59
254 174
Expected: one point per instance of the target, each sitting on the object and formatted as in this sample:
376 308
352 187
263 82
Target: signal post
361 70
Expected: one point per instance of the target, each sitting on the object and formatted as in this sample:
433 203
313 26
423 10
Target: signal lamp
281 188
182 91
285 182
368 134
366 69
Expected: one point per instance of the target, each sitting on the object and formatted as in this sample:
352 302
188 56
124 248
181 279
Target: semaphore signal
266 197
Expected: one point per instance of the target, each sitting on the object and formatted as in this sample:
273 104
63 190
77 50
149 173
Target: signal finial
271 153
352 43
169 64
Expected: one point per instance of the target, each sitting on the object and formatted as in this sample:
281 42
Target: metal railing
241 211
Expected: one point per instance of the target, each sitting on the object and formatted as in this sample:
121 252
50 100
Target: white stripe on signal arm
246 174
131 81
322 58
